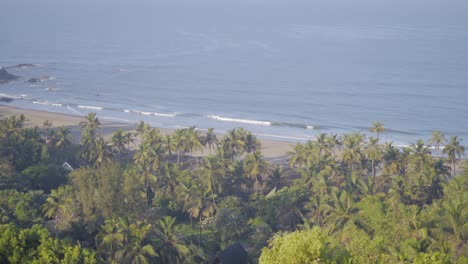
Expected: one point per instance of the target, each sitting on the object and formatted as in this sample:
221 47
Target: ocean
286 70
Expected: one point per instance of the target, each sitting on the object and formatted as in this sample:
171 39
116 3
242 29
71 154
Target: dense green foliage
348 199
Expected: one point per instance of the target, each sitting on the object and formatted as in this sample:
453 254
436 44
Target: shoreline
273 150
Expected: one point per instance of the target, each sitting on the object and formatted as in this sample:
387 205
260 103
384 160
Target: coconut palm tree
342 211
118 141
334 143
420 156
129 138
352 153
437 139
54 203
101 152
110 238
378 128
210 140
142 128
391 160
251 143
91 124
47 125
276 179
138 250
213 174
373 153
256 168
62 138
171 247
453 149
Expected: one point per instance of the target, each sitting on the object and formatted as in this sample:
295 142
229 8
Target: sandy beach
273 150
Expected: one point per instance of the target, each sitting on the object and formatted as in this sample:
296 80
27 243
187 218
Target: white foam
245 121
46 103
149 113
11 96
310 127
166 115
90 107
73 110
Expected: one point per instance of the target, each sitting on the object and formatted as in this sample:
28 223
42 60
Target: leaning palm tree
453 149
437 139
378 128
63 138
172 249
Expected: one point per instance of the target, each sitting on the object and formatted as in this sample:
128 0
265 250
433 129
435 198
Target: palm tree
171 247
213 176
54 203
317 208
256 168
91 124
118 141
276 179
391 160
453 150
138 250
420 156
373 153
251 143
322 143
111 238
142 128
334 142
377 127
352 150
437 139
210 140
101 152
129 138
47 124
147 163
63 138
342 211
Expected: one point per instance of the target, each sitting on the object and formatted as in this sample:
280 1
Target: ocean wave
46 103
11 96
283 137
148 113
90 107
237 120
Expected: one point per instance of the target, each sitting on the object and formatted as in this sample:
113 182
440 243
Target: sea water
286 70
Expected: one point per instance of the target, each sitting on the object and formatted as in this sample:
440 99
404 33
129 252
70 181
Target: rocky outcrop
34 80
6 77
21 66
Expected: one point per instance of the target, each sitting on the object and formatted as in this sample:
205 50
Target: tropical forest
143 196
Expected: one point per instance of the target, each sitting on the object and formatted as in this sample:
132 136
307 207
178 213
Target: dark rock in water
34 80
5 99
22 66
5 77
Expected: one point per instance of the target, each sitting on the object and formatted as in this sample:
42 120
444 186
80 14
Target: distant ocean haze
283 70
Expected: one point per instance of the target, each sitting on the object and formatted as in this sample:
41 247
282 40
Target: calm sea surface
283 69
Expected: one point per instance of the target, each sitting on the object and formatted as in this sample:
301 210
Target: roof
234 254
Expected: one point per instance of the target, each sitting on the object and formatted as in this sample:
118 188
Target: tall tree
171 247
453 150
378 128
437 139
